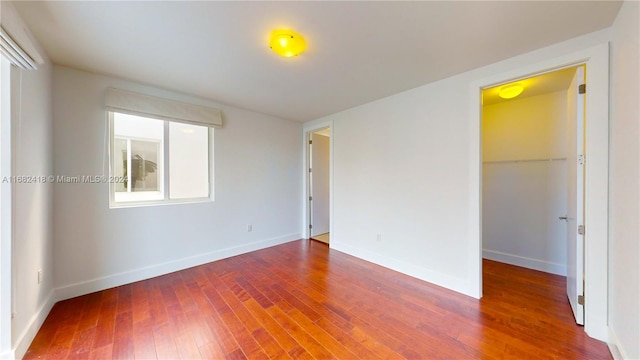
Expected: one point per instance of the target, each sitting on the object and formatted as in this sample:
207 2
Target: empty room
344 180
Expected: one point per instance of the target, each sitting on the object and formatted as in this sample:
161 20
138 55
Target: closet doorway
533 176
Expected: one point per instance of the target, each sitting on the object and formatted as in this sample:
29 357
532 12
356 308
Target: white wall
527 128
32 244
6 349
624 250
522 200
257 182
32 203
405 167
27 151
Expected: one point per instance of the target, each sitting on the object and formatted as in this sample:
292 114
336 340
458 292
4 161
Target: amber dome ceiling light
287 43
510 91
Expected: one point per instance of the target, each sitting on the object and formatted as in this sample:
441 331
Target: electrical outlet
378 237
249 228
39 276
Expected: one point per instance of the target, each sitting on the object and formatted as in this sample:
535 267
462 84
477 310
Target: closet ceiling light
510 91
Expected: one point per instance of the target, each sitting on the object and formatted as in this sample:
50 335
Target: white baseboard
27 336
106 282
535 264
452 283
616 349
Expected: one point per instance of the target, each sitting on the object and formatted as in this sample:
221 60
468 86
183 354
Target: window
158 161
160 149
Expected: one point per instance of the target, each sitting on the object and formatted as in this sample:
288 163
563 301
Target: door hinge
581 230
310 142
581 299
310 198
309 169
310 226
581 159
582 89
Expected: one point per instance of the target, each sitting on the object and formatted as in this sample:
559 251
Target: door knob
562 218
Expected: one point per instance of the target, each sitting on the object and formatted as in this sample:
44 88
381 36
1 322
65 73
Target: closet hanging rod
527 160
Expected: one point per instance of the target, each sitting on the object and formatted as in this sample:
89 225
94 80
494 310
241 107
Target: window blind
17 43
143 105
16 55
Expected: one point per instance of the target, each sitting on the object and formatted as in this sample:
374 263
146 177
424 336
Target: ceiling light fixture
287 43
510 91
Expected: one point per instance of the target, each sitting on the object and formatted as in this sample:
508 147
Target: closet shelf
527 160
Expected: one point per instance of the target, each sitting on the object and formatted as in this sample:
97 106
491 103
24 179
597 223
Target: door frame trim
596 179
307 129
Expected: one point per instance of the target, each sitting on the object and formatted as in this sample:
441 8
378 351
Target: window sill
135 204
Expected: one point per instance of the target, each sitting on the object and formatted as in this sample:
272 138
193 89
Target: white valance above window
143 105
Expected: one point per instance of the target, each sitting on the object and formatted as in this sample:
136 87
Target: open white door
575 195
319 176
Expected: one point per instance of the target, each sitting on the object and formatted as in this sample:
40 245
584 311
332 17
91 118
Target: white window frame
164 182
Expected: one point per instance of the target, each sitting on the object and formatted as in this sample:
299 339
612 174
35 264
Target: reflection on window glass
144 166
120 158
137 158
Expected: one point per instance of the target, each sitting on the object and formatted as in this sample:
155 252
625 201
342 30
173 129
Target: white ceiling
358 51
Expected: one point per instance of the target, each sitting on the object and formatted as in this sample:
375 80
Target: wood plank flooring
302 300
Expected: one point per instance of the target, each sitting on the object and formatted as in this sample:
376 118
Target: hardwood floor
302 300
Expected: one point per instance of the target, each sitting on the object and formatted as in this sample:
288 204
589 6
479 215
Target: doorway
319 155
596 215
533 176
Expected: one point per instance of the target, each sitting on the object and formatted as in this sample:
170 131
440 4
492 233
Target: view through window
155 161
